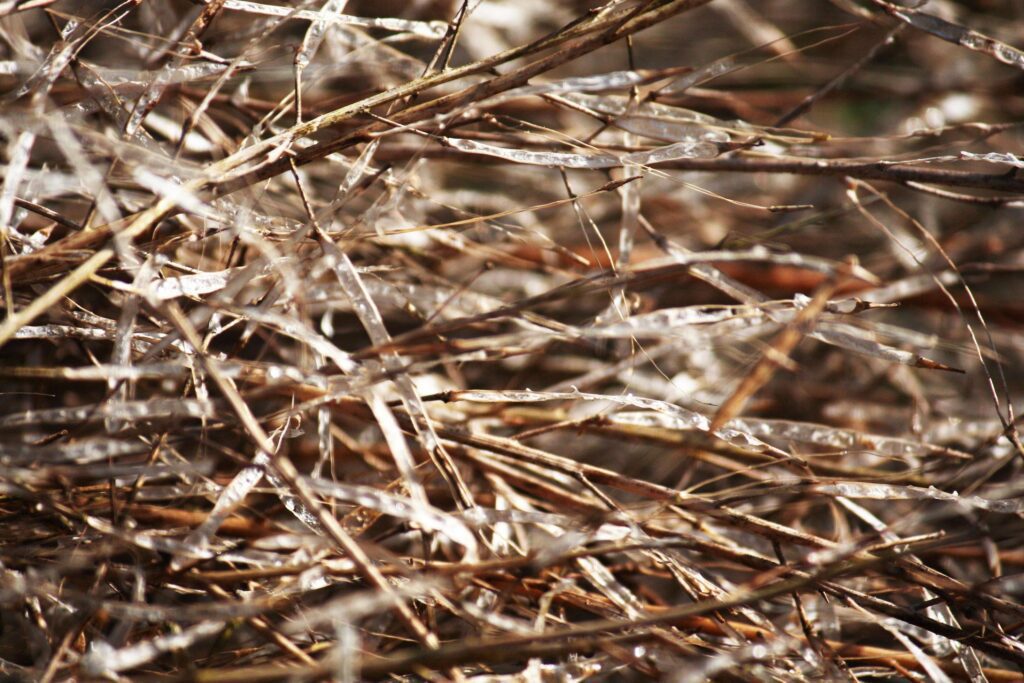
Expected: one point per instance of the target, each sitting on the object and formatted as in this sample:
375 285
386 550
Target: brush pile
504 340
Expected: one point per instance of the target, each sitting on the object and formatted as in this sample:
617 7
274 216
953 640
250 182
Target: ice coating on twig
678 150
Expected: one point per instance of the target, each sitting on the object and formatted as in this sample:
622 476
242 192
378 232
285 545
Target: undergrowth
504 340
